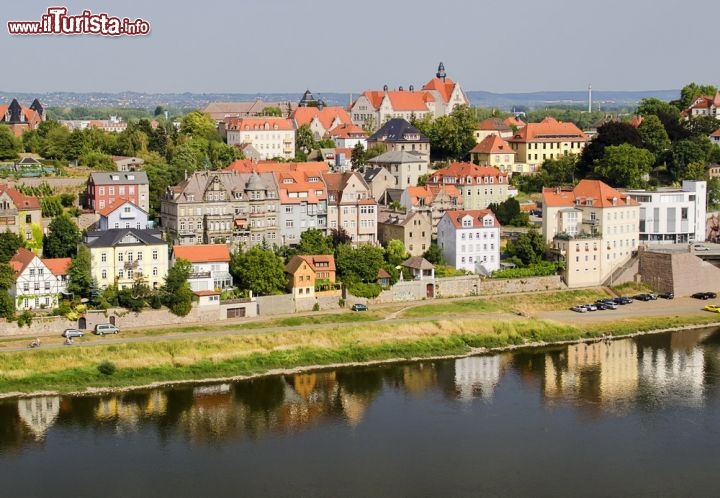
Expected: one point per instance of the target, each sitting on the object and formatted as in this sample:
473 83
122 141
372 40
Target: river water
635 417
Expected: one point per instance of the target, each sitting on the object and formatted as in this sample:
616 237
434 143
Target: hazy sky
247 46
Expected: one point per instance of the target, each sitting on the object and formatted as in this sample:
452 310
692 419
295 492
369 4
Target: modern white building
210 266
672 215
470 240
123 214
271 137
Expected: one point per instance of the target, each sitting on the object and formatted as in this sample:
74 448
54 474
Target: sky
288 46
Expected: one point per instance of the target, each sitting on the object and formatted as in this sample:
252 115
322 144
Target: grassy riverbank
142 363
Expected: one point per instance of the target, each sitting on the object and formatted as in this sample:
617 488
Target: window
120 274
28 218
155 271
139 256
37 286
47 286
103 274
155 254
26 287
32 272
103 257
120 257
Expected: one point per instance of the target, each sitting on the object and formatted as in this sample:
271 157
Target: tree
62 239
199 125
177 294
340 236
685 152
701 125
508 212
159 111
395 252
694 171
452 136
53 145
692 91
625 166
361 263
713 193
7 279
304 140
654 137
434 255
10 146
51 206
258 270
314 241
611 133
560 171
358 157
9 244
76 145
80 279
528 249
668 114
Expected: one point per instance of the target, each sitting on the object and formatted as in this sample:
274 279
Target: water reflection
679 369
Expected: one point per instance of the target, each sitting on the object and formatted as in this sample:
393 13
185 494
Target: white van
106 328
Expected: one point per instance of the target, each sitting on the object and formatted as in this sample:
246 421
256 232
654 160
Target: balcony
130 265
199 275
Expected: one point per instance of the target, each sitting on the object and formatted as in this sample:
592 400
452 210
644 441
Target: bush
316 307
542 269
67 200
25 318
368 291
341 302
107 368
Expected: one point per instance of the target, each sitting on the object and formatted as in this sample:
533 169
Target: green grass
631 288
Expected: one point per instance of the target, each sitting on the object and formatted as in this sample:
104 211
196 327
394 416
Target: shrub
25 318
541 269
107 368
316 307
368 291
341 302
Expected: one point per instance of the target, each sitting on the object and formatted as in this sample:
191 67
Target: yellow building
122 255
548 139
495 152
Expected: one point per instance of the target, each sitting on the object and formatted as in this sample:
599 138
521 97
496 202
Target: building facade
270 137
321 120
593 229
20 118
405 166
20 213
470 240
210 266
549 139
123 255
123 214
495 152
479 185
303 204
38 282
351 206
432 199
672 215
222 207
104 189
399 135
414 229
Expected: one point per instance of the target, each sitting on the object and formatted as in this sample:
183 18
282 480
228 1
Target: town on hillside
247 208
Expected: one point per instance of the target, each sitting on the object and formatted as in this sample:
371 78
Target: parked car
579 308
700 247
606 305
359 307
643 297
712 307
106 328
71 333
667 295
623 300
704 295
590 307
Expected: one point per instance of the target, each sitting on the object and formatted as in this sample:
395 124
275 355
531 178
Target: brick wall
681 273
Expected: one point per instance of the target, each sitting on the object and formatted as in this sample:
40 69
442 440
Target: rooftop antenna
589 98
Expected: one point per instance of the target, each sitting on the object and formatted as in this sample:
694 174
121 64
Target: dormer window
589 202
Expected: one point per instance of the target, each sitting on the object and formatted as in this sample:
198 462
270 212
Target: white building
672 215
123 214
210 266
470 240
38 282
271 137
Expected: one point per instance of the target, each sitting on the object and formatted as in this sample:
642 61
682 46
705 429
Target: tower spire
441 72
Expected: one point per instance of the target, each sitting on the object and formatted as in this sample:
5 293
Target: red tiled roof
21 201
299 182
313 261
493 144
22 258
444 88
513 121
430 192
58 266
461 171
112 207
600 193
493 124
477 215
207 293
347 131
716 133
549 130
204 253
636 121
326 116
401 101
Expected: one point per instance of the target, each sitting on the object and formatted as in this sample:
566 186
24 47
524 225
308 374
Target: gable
129 239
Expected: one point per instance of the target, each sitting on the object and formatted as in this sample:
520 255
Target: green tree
668 114
695 171
508 212
692 91
560 171
51 206
528 249
9 244
375 150
654 137
685 152
314 241
625 166
304 140
701 125
713 193
76 145
395 252
361 263
7 279
10 146
609 134
434 255
62 238
53 145
452 136
31 141
177 294
159 111
340 236
358 156
258 270
199 125
80 279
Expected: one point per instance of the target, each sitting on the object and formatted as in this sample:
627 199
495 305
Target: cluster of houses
265 200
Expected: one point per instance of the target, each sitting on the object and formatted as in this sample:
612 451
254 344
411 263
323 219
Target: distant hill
505 101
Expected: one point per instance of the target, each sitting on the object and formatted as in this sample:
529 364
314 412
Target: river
635 417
